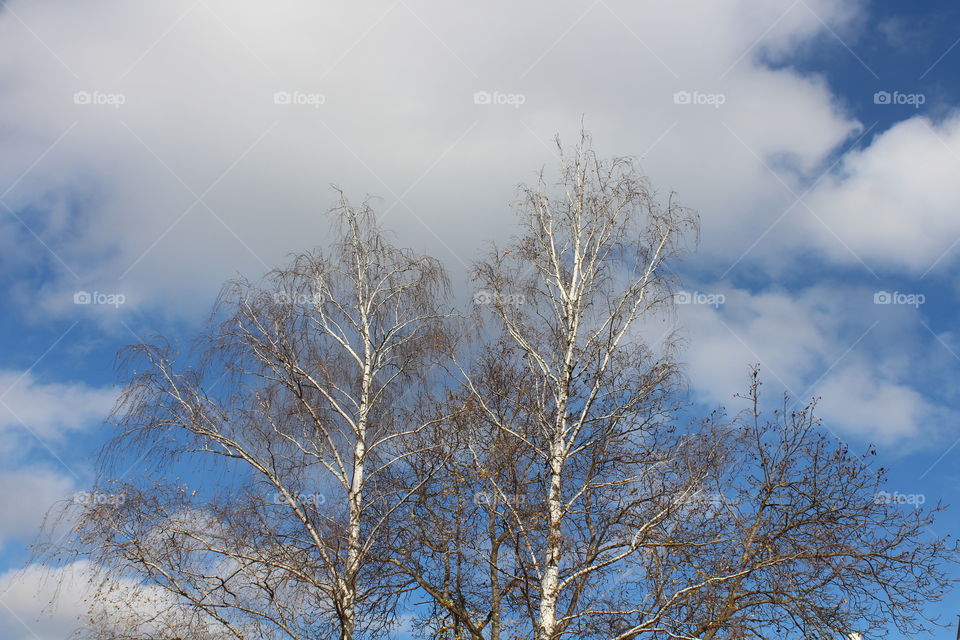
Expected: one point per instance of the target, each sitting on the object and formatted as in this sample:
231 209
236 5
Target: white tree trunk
550 580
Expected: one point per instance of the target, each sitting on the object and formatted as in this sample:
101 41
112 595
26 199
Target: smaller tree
459 542
789 536
284 423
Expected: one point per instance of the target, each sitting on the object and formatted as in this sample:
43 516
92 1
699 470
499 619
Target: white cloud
860 402
827 342
895 202
26 496
43 604
39 418
49 410
198 81
51 603
781 331
397 84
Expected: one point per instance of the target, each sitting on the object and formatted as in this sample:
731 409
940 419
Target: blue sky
153 150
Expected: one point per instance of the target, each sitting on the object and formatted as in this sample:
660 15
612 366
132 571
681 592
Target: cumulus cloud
49 410
26 496
159 149
894 203
44 604
36 419
858 401
828 342
156 150
52 603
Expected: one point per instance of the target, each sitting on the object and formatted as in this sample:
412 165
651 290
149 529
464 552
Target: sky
152 150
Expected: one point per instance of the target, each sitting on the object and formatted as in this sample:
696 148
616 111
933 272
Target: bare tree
568 298
302 397
791 536
459 543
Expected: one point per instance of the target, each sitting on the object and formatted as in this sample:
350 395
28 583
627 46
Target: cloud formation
824 341
159 149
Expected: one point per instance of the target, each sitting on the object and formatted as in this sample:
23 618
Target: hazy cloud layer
155 150
180 143
856 352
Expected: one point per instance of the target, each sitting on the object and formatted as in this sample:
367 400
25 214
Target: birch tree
295 406
568 297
